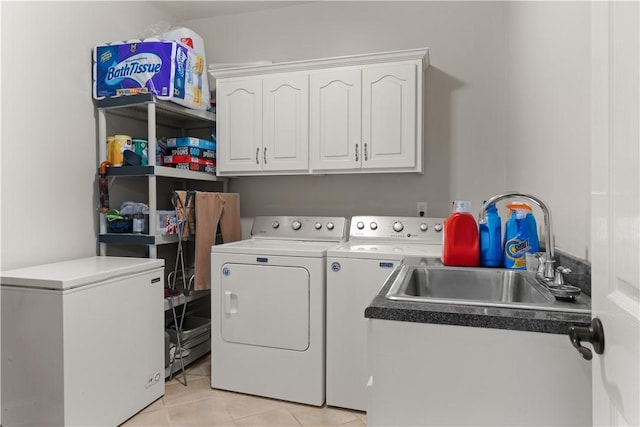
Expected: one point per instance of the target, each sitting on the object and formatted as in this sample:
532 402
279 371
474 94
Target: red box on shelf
172 160
195 167
193 151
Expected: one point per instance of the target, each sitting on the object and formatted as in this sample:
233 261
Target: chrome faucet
549 258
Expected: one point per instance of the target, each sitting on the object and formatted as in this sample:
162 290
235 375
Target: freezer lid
76 273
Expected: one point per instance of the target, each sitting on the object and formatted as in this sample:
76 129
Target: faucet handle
559 278
542 259
548 269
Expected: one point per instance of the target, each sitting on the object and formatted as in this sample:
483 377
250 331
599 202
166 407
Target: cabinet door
389 134
239 126
285 144
335 119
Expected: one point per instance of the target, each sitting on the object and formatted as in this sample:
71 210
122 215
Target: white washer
268 308
355 272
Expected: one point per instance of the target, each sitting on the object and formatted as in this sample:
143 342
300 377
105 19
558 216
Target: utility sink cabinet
435 374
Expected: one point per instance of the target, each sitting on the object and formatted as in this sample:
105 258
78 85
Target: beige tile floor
198 404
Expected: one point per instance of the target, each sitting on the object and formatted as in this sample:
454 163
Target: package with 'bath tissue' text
168 69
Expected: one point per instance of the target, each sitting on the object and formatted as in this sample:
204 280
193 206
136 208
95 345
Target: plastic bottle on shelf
460 241
533 228
520 237
491 239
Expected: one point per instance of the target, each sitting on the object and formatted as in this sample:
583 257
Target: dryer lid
291 248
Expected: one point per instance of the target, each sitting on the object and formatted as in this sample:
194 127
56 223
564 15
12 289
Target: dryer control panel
414 229
314 228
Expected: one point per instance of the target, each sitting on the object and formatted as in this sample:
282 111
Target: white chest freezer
82 341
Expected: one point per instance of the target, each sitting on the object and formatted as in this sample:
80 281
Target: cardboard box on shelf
195 167
191 142
171 160
192 151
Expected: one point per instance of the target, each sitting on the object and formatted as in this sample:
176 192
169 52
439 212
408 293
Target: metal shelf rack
145 107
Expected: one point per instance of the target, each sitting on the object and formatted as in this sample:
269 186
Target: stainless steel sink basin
477 286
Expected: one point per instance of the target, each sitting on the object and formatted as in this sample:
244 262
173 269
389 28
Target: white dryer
268 308
355 272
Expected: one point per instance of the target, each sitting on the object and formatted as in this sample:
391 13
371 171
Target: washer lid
292 248
391 250
76 273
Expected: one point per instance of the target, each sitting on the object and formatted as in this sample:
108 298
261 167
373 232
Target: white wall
508 81
49 154
507 103
548 112
48 191
464 111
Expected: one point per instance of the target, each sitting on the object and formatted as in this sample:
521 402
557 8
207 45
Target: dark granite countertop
553 322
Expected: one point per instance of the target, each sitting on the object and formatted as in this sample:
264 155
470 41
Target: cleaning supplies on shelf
521 236
461 241
490 233
531 220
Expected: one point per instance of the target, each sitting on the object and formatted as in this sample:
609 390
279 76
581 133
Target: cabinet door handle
264 155
356 152
257 152
366 155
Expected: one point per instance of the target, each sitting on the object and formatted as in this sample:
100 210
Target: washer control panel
419 229
300 228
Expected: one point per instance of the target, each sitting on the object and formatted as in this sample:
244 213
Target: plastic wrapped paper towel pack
169 69
191 39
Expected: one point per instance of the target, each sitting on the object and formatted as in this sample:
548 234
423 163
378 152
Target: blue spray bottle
533 228
520 237
491 239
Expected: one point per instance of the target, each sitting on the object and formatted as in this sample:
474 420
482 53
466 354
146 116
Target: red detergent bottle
460 242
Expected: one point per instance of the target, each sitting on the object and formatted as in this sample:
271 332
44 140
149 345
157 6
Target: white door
285 143
615 223
335 119
239 125
265 306
389 116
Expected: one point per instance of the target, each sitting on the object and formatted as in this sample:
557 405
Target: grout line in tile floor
198 404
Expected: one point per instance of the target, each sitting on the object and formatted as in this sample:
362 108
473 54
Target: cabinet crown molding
315 64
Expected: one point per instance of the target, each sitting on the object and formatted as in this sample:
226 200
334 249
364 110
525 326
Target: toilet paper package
191 39
168 69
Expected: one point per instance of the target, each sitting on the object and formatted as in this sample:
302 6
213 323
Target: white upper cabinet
352 114
285 134
263 124
239 125
335 123
389 116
